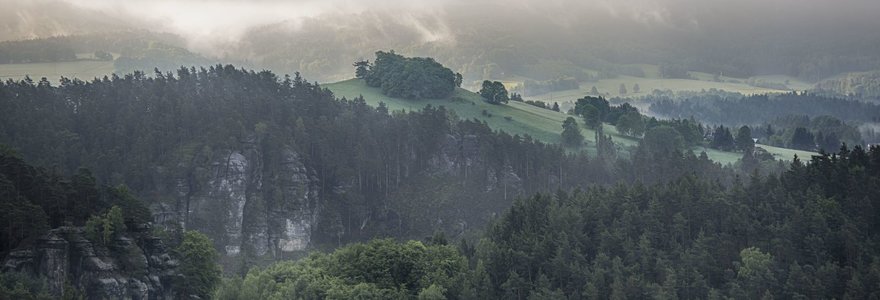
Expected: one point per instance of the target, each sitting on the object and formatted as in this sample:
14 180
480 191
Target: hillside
513 117
541 124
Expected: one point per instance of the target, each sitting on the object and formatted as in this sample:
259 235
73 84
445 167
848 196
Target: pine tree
571 134
744 140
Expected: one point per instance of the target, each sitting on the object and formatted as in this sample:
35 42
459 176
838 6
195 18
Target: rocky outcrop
132 266
458 155
299 205
247 201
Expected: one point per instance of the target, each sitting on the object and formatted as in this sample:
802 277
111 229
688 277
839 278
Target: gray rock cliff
132 266
249 202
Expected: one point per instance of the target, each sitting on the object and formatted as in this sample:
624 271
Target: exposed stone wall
244 205
132 266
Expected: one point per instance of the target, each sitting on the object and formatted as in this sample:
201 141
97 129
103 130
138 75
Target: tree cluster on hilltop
408 77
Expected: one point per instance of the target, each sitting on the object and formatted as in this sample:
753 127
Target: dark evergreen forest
149 131
499 216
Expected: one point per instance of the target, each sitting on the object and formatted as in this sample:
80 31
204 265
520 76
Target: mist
482 39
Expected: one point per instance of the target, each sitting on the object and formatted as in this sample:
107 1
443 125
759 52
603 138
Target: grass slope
514 117
541 124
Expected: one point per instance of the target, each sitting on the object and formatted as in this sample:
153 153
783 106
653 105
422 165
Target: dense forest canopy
151 132
375 172
810 232
503 150
807 233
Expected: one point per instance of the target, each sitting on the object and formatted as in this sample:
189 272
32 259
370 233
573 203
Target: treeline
808 233
862 85
824 133
629 121
531 87
757 109
408 77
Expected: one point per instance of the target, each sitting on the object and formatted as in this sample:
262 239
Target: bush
102 228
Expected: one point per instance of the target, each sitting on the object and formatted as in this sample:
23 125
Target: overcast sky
214 23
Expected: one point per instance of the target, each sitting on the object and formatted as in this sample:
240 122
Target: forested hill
270 166
809 233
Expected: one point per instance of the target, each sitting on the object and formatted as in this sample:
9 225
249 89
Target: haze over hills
809 40
451 149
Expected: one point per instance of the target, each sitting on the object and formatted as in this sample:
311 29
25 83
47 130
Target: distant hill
77 56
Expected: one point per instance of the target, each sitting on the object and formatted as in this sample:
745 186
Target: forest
809 232
444 149
156 136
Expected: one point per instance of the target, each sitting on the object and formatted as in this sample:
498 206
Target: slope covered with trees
202 143
807 233
810 232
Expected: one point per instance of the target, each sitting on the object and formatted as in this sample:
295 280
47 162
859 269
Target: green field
541 124
610 88
700 81
778 153
83 69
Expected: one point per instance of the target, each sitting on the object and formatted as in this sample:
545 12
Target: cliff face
247 204
132 266
264 202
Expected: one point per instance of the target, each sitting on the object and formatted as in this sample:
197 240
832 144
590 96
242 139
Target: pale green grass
792 82
788 154
83 69
778 153
541 124
610 88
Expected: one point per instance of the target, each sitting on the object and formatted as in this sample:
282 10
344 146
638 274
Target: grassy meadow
652 80
518 118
